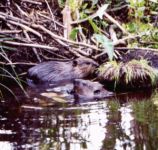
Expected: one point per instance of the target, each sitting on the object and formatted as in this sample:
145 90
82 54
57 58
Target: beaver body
85 89
55 71
82 90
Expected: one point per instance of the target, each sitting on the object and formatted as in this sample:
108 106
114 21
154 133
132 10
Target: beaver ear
75 63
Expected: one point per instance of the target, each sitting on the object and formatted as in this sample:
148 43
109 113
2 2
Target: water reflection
122 122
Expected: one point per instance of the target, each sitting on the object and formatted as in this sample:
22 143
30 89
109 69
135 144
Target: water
127 121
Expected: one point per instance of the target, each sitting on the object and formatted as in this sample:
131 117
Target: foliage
106 43
4 72
135 74
141 21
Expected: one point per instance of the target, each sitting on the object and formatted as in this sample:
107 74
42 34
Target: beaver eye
75 63
97 91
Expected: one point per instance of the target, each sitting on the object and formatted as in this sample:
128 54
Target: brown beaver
85 89
56 71
81 90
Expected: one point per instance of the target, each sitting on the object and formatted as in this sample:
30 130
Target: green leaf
61 3
94 26
101 11
94 2
106 43
132 27
84 6
73 33
154 1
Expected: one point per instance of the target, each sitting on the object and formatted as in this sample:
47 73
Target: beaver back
55 71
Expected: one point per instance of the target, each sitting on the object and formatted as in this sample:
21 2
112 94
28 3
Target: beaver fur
57 71
82 90
85 89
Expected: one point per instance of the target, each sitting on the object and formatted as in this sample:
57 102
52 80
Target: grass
135 73
11 73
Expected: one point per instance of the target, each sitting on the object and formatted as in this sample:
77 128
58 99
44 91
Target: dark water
123 122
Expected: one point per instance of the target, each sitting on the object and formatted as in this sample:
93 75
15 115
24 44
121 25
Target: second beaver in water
57 71
85 89
81 90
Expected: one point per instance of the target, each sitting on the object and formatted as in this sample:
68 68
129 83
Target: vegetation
34 31
134 74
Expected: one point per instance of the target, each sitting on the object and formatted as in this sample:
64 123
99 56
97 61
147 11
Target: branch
31 45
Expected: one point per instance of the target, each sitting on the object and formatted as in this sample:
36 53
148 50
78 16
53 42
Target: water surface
128 121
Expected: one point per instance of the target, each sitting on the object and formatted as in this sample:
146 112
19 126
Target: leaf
94 26
84 6
101 11
106 43
132 27
61 3
154 1
94 2
73 33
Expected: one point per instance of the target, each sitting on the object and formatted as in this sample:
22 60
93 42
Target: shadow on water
124 121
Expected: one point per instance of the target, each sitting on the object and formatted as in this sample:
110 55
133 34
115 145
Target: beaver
57 71
85 90
81 89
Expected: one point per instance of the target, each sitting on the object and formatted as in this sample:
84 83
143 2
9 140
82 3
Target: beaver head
57 71
85 89
80 90
83 67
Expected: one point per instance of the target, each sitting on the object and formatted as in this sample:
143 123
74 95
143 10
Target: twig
17 63
117 8
9 31
21 11
52 52
115 22
67 19
138 48
103 53
31 45
85 19
57 59
126 38
33 2
106 15
113 34
148 43
7 17
54 36
46 17
34 49
75 53
51 13
63 39
26 28
82 52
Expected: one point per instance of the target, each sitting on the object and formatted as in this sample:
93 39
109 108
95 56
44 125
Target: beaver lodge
119 36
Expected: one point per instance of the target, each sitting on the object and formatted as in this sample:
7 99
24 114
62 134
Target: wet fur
85 89
55 71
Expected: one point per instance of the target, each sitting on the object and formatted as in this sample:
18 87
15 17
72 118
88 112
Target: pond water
128 121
